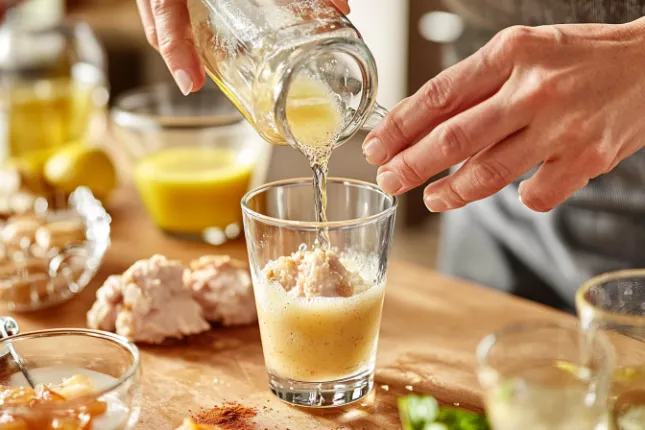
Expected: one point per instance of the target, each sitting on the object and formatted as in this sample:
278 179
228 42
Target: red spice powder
229 416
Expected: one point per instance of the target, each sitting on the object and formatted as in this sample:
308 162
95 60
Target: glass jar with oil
52 84
296 69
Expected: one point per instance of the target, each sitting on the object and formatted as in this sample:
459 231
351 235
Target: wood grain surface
431 326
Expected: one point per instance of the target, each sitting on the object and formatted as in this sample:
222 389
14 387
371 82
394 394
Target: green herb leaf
424 413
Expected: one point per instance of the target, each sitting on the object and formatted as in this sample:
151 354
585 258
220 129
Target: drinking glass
53 89
282 60
193 158
544 376
319 351
615 303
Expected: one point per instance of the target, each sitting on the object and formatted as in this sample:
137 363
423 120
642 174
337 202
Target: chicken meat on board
316 273
223 287
148 303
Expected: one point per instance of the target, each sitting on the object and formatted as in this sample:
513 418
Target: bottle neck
346 67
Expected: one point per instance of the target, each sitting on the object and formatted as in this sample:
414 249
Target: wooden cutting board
431 326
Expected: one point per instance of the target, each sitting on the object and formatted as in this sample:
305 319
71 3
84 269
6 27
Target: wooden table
431 326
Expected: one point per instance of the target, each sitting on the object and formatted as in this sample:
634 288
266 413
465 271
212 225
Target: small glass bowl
193 158
111 361
30 281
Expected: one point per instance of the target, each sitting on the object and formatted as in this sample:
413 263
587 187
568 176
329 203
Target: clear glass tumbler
319 310
543 376
615 303
284 63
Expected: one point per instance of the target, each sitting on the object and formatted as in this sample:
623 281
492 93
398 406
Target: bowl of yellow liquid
193 159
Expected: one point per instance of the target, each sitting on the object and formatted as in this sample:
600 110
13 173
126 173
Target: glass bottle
290 66
53 88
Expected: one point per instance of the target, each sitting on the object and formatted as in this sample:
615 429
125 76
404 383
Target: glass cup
615 303
287 63
541 376
111 362
53 90
193 158
319 309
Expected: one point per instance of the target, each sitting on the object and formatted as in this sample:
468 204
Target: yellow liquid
322 339
313 114
46 115
187 190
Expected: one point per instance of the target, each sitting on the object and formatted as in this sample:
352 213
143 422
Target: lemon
78 165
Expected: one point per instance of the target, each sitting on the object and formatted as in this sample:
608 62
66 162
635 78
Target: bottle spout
378 114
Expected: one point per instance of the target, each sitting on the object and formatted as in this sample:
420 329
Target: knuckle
452 196
597 161
437 94
395 125
409 171
451 141
151 35
169 46
490 175
517 37
160 7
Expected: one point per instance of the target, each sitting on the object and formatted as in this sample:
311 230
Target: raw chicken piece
108 304
153 303
316 273
224 289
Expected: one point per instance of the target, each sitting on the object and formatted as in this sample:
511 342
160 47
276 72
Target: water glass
615 303
544 376
319 351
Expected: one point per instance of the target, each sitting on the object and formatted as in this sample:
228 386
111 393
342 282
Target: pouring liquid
315 120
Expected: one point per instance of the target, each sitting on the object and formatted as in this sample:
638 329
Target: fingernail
184 82
434 203
388 182
374 151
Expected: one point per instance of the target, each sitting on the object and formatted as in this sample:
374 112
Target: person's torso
602 226
498 14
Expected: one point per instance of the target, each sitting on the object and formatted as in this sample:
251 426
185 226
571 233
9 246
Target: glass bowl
33 277
193 158
110 361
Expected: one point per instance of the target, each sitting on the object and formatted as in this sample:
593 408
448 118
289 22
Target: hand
167 27
567 96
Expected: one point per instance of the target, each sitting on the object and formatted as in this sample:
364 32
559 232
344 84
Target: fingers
452 142
148 20
451 92
552 184
176 45
486 173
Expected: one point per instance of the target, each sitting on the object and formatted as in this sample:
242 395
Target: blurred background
113 42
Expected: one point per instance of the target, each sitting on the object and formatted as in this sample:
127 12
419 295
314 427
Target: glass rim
99 334
489 341
332 225
124 116
585 305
